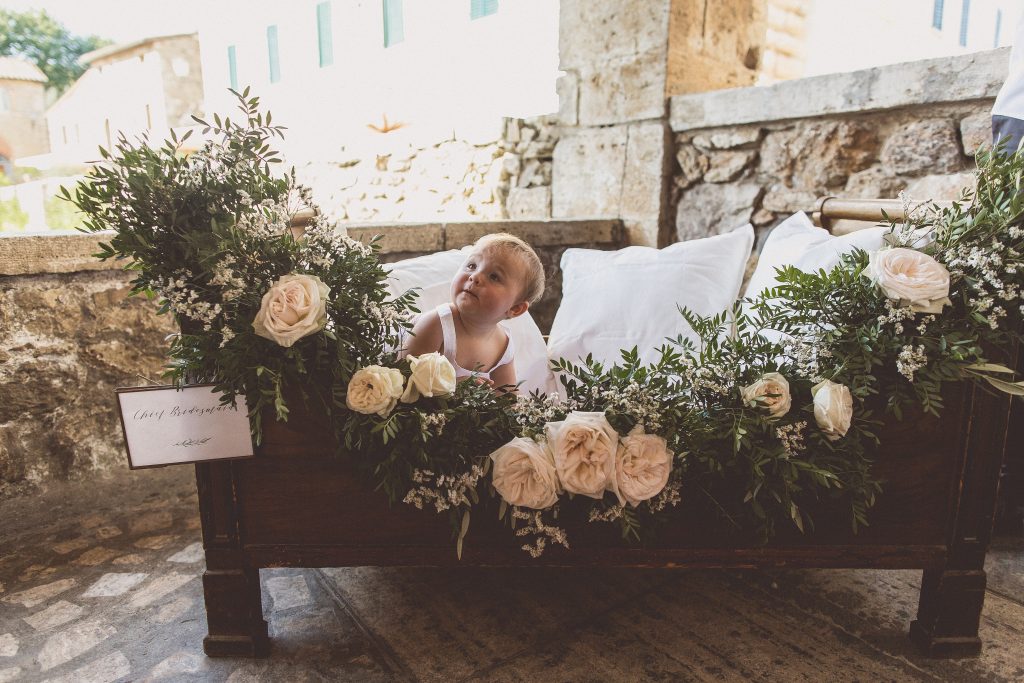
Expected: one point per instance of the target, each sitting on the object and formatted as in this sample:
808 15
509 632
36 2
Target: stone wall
23 129
452 180
760 154
70 334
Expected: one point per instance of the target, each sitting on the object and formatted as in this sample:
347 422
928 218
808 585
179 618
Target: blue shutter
937 14
999 27
232 67
325 39
482 8
394 30
963 22
274 59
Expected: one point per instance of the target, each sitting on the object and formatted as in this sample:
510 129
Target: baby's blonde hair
533 287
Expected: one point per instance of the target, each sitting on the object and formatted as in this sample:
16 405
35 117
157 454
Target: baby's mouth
466 291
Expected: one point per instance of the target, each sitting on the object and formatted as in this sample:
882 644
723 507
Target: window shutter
325 39
272 54
394 30
482 8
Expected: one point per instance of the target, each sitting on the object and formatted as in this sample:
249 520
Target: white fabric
444 314
1010 100
796 241
614 300
433 273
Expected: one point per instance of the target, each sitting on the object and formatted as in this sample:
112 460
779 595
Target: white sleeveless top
444 313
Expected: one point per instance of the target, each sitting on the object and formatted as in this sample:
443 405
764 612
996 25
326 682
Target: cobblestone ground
101 582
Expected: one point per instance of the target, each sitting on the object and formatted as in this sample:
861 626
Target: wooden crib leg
234 614
234 606
949 613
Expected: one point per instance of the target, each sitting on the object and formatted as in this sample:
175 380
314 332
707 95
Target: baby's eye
470 266
495 277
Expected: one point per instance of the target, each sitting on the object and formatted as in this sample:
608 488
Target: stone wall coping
69 253
959 78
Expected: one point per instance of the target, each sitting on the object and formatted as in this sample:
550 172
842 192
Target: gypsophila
542 532
443 491
910 360
433 422
670 495
791 437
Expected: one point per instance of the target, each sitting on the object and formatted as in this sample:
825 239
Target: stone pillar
622 59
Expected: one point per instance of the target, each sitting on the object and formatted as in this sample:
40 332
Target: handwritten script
192 442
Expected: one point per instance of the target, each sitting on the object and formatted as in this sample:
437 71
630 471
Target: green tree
43 40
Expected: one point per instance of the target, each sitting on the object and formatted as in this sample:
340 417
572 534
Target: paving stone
108 669
152 522
57 614
34 596
177 664
113 584
11 674
8 645
66 645
288 591
158 588
105 532
130 559
191 553
154 542
74 544
173 610
95 556
36 572
92 521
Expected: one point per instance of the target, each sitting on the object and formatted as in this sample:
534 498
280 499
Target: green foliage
60 215
12 217
44 41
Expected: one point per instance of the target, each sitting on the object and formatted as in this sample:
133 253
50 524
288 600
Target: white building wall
115 97
847 36
450 76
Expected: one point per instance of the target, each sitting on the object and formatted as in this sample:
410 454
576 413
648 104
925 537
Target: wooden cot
296 505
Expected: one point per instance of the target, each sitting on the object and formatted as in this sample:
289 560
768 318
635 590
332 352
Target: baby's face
489 284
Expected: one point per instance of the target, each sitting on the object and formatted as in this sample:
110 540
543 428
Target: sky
118 20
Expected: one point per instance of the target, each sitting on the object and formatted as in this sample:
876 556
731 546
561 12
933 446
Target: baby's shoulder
427 334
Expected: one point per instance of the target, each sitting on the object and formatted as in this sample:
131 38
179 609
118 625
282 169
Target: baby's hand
483 381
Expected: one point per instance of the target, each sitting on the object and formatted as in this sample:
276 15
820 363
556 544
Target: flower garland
768 417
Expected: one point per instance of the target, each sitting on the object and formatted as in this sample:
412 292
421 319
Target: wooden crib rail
839 215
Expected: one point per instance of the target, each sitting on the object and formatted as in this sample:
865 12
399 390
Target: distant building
146 86
813 37
22 111
426 71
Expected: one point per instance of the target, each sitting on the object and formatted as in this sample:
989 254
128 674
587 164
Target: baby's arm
506 374
428 336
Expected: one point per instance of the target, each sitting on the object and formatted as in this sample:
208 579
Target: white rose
642 467
524 474
584 447
432 375
374 389
833 408
770 391
912 276
293 307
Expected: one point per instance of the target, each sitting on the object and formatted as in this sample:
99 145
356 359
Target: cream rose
912 276
771 391
584 446
524 474
833 408
295 306
374 389
432 375
642 466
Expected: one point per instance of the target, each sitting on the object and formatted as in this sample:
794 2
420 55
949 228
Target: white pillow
614 300
433 273
796 241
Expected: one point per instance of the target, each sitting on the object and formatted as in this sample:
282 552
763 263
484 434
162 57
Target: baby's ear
518 309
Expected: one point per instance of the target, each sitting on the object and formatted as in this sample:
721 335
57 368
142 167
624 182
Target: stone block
918 147
818 154
728 166
594 31
643 182
781 199
587 175
978 77
976 131
711 209
873 183
728 139
692 165
568 89
529 203
623 90
940 187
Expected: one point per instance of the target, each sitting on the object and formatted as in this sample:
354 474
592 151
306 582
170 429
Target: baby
499 280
